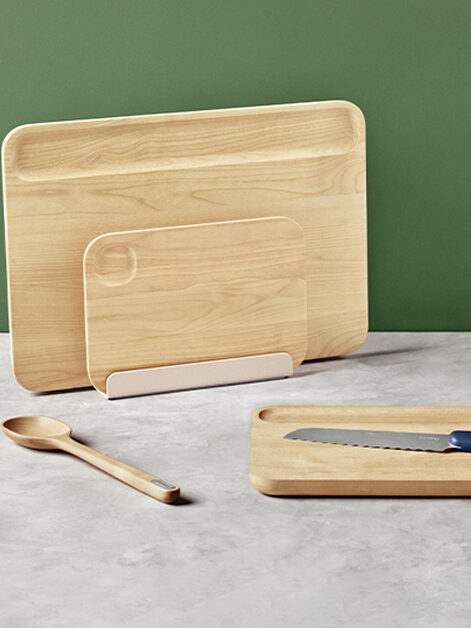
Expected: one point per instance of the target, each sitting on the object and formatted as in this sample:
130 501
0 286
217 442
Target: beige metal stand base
198 375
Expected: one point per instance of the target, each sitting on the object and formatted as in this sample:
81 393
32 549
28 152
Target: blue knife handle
460 440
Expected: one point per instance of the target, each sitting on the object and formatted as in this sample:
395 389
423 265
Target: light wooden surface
66 183
280 466
176 295
43 432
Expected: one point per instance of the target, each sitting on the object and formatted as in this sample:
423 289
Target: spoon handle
144 482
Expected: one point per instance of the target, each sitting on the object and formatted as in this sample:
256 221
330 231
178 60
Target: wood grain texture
66 183
176 295
287 467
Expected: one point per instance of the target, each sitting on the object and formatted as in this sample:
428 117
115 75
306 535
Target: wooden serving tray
179 295
66 183
280 466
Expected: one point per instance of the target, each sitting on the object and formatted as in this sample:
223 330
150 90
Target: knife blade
418 441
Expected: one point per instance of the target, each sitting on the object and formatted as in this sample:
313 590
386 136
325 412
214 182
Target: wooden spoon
44 432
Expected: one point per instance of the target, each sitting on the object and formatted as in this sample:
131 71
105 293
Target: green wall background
405 63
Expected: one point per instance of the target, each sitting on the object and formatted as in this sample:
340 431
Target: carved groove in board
168 142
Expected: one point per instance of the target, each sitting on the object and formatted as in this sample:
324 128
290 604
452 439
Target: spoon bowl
37 432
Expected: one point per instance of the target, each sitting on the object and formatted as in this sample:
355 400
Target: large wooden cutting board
280 466
178 295
66 183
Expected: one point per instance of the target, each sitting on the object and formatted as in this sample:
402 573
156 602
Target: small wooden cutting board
280 466
178 295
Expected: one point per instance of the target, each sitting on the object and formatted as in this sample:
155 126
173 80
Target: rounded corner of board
96 385
267 486
21 380
359 343
32 388
12 136
354 110
88 250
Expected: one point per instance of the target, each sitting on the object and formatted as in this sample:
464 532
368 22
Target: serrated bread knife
460 440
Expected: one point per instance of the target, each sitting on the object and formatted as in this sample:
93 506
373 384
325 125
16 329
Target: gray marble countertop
79 548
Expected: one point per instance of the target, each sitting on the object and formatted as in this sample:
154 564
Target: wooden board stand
200 305
198 375
288 467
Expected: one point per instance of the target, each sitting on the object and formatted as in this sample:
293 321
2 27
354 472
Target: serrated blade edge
416 441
